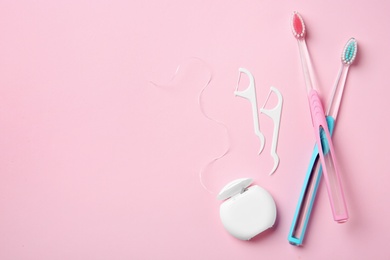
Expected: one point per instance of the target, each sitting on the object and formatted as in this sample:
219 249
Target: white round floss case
247 210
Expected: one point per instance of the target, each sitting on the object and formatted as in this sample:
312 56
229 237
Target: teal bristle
350 51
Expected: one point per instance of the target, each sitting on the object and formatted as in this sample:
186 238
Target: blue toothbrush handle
308 194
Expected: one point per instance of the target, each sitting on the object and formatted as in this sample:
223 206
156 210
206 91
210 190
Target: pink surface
98 163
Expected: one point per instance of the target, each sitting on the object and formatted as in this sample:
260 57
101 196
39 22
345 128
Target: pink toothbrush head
298 26
299 31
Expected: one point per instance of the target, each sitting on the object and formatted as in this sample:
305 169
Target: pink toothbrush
321 131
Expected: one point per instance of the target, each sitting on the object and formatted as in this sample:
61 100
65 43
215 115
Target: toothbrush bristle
349 52
298 26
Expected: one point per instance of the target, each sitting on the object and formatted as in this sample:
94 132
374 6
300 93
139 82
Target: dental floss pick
275 115
250 94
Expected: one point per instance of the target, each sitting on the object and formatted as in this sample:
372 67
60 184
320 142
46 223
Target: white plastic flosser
250 94
274 114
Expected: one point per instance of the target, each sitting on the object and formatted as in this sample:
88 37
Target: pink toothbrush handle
328 159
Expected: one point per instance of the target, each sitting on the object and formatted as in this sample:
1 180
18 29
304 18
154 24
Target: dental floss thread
204 113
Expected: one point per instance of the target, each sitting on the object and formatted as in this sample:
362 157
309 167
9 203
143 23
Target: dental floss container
246 210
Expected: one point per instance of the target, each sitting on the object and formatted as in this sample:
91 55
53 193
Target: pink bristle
298 26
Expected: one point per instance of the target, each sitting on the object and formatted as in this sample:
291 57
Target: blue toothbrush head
349 52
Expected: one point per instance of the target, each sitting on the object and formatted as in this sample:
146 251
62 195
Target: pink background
98 163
